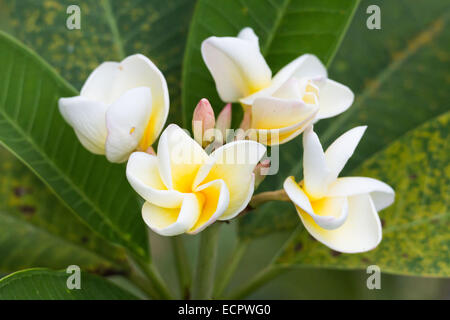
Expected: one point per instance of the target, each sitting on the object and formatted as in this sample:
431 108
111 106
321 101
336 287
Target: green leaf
416 240
286 30
42 284
32 128
37 231
398 75
110 29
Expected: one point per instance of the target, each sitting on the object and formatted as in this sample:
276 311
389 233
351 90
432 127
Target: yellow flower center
311 95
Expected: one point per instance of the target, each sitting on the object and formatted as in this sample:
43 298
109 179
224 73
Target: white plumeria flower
186 189
339 212
121 107
299 94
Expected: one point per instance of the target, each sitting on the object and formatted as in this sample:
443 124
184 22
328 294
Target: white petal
315 171
306 66
138 71
381 193
328 213
216 200
291 89
143 175
234 164
276 113
99 85
126 121
240 201
334 98
282 134
179 159
361 231
342 149
172 222
297 195
249 35
87 117
237 66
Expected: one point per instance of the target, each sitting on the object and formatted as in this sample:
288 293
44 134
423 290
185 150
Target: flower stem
158 284
268 273
230 268
182 266
263 197
143 284
256 282
206 263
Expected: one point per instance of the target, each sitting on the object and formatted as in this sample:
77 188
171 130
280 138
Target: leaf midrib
276 26
112 23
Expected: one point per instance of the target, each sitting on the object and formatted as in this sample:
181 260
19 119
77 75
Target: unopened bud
224 120
203 119
261 171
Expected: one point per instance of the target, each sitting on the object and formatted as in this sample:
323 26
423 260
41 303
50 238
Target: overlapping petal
360 232
126 122
234 164
179 158
328 213
144 176
138 71
276 113
306 66
216 200
381 193
100 83
277 121
88 119
173 221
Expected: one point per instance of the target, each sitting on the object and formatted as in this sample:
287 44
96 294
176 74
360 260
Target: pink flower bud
224 120
261 171
203 119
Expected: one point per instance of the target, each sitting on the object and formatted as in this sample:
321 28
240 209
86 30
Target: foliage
60 205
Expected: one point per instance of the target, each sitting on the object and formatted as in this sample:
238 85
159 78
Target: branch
263 197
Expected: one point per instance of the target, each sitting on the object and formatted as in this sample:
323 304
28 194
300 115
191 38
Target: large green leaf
37 231
286 29
32 128
416 238
110 29
42 284
398 75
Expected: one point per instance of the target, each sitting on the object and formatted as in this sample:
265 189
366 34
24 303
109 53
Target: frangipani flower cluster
122 109
285 105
